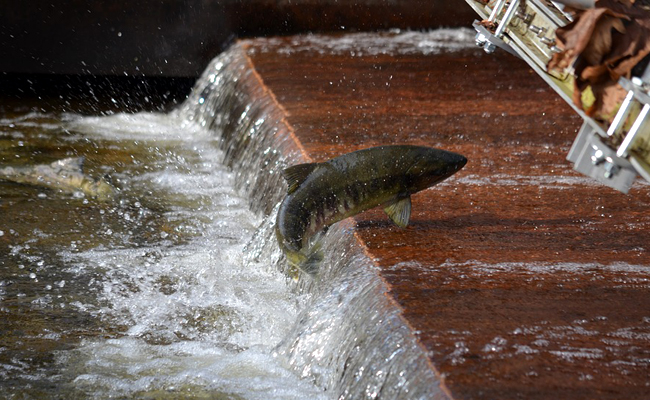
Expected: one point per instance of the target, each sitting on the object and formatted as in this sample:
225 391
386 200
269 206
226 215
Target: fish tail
306 259
308 262
313 262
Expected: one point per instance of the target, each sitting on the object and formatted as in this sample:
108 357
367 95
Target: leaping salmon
321 194
65 175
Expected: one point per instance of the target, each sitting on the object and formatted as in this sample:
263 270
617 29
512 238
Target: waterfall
350 338
177 287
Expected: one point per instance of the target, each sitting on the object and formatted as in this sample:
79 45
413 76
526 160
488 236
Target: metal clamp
592 157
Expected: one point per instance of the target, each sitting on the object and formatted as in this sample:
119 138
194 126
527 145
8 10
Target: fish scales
322 194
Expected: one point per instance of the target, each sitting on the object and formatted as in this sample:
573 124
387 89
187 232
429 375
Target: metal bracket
594 158
611 153
489 42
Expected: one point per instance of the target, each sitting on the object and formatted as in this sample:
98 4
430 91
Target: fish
321 194
66 175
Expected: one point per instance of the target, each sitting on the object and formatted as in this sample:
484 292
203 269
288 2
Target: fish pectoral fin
296 175
399 211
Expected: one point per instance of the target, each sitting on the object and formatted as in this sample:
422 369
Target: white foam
138 126
196 316
372 44
540 181
126 366
477 267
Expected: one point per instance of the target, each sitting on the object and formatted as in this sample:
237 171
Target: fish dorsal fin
72 164
399 211
296 175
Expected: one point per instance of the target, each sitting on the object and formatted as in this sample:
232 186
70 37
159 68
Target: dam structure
517 277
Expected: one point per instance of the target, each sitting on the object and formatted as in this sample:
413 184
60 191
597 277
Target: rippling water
145 296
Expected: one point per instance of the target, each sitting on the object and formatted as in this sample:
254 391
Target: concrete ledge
518 277
351 339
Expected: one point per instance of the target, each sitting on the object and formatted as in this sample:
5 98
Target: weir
516 278
512 280
350 339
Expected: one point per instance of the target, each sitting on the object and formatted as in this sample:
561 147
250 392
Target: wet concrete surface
520 277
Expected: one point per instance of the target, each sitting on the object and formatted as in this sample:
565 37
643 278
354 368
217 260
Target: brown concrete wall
520 278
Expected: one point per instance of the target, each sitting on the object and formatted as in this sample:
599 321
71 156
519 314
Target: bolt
598 157
489 47
547 41
611 169
480 39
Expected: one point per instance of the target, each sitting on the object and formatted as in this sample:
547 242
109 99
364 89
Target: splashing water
170 304
194 311
178 289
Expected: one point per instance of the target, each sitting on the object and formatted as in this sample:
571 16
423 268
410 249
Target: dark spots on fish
357 181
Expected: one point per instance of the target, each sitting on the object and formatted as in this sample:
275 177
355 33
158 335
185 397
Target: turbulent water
148 295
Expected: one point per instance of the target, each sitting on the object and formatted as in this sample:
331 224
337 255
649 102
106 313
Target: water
177 288
148 295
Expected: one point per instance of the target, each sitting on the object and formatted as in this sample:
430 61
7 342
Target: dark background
144 54
179 37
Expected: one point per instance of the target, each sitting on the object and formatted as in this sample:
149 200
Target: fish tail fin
307 262
313 262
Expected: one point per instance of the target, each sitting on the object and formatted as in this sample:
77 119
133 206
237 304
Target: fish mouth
455 160
453 163
460 162
426 173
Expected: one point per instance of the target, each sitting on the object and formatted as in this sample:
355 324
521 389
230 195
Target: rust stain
522 278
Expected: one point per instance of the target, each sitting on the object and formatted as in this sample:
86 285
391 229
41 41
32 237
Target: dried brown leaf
602 45
490 25
600 42
609 96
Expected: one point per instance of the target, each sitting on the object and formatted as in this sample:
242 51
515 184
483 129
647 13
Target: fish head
430 166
